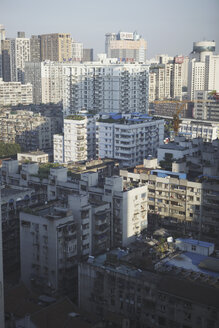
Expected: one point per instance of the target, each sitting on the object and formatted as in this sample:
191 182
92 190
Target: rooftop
173 146
195 262
35 153
164 174
75 117
196 242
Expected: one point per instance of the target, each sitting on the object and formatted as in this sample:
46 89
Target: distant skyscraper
88 55
35 48
56 47
126 46
203 68
77 51
2 37
196 77
166 80
6 61
212 72
20 53
201 49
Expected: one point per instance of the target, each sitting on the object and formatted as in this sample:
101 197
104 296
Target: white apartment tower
196 81
20 53
129 208
105 86
77 51
78 142
212 73
129 137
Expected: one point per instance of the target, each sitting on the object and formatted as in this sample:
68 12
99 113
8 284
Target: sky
169 27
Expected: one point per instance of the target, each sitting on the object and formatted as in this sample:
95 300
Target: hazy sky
168 26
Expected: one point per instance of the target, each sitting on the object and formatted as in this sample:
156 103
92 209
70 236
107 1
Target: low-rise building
195 246
33 156
179 148
126 289
207 130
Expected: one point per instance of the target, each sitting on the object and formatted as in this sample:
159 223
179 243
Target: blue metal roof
163 174
196 242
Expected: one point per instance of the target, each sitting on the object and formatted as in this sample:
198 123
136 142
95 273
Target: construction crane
180 106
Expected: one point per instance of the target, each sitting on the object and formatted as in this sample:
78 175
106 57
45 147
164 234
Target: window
193 248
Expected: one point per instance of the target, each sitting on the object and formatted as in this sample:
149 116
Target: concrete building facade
49 233
78 142
129 137
208 130
208 107
14 93
77 51
31 131
20 53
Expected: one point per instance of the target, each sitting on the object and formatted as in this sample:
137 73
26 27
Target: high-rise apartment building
77 51
126 46
103 86
185 66
20 53
129 137
14 93
78 142
196 77
212 72
2 38
49 234
46 78
203 68
56 47
166 81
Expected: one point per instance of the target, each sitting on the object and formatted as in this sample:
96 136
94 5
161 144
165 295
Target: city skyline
88 22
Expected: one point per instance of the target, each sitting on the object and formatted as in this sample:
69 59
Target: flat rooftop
194 262
196 242
35 153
